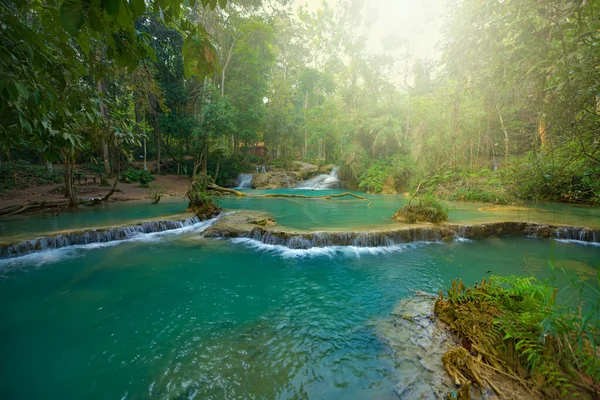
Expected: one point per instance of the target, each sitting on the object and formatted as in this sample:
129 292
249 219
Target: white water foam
460 239
71 252
321 182
329 251
581 242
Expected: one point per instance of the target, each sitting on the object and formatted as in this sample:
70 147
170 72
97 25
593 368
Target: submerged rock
418 341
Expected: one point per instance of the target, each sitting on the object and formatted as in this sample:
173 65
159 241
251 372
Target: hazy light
399 25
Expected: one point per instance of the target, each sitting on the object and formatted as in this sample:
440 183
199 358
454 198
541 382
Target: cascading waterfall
244 181
388 238
101 235
322 182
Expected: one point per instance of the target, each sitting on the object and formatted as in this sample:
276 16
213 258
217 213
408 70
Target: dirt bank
170 184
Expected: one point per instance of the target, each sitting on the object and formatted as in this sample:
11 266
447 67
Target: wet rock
272 180
417 342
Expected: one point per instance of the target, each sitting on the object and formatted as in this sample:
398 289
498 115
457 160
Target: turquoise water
89 217
177 316
321 214
317 214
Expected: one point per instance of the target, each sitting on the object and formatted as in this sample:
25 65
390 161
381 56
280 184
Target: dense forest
509 111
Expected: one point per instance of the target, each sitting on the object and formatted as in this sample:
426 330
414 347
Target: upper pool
315 214
348 212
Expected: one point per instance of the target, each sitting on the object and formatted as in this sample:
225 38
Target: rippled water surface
177 316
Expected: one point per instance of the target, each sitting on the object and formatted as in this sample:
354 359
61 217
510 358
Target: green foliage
137 175
555 177
22 175
518 323
373 179
427 209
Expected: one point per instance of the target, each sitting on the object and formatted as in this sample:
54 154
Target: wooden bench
81 176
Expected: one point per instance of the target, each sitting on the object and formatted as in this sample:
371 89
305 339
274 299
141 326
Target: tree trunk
104 113
105 156
156 128
305 121
69 189
225 68
205 161
145 160
543 131
217 171
506 147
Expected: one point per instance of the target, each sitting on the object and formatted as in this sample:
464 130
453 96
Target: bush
22 175
392 171
137 175
554 177
428 209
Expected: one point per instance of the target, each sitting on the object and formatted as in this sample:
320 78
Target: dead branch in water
301 196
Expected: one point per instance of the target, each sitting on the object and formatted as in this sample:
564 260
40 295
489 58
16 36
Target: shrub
22 175
427 209
137 175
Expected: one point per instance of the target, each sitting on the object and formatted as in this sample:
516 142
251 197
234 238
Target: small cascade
308 240
244 181
395 237
322 182
101 235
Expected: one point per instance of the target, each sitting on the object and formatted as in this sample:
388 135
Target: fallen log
220 189
9 209
31 205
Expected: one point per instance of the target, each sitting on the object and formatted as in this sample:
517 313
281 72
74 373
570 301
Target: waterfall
244 181
322 182
100 235
394 237
307 240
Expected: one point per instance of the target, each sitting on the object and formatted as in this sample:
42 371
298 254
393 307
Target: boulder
273 180
260 180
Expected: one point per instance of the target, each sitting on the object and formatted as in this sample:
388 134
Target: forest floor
170 185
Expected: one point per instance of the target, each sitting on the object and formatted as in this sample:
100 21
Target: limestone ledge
260 227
